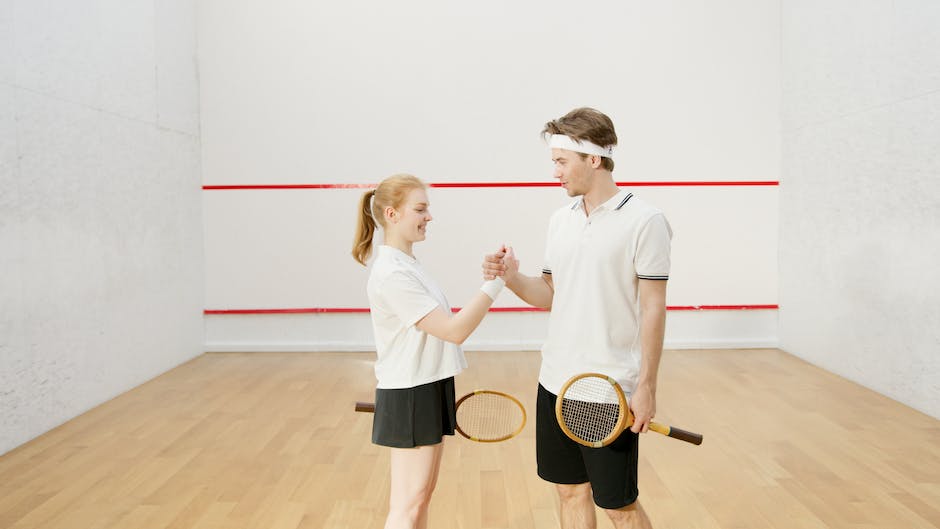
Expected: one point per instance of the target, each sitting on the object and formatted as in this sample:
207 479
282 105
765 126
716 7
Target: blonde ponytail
365 229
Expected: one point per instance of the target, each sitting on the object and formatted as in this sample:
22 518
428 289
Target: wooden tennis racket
593 411
484 416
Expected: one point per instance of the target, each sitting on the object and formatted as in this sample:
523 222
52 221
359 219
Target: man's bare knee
577 492
577 506
631 515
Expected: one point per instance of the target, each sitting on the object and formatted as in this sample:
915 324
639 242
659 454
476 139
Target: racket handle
677 433
683 435
365 406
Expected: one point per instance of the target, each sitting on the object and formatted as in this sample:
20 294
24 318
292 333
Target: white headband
560 141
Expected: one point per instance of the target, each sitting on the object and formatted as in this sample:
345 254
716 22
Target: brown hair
586 124
390 192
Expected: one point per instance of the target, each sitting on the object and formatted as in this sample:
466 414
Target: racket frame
369 407
512 399
624 420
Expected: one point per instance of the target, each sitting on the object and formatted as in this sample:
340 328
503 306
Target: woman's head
399 203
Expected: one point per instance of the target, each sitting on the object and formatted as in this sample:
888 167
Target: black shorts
418 416
611 470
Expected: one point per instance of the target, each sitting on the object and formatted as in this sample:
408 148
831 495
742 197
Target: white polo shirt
596 262
400 294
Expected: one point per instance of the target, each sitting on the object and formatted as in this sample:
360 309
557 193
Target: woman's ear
391 214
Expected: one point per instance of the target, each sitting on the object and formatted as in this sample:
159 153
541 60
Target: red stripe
283 311
343 310
493 184
724 307
291 186
695 183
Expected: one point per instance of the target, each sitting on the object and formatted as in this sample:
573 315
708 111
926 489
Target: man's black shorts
612 470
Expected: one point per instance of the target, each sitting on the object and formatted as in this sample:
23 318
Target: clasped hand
502 263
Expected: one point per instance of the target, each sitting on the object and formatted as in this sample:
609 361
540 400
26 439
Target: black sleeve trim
655 278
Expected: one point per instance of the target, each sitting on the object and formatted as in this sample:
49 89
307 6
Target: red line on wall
723 307
290 186
493 184
703 183
341 310
285 311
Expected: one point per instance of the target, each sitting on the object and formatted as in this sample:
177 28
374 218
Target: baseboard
493 345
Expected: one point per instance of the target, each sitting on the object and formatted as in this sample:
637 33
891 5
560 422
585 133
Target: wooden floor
271 441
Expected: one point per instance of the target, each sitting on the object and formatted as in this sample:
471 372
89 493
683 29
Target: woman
417 340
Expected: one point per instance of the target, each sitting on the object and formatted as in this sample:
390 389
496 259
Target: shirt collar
615 202
395 253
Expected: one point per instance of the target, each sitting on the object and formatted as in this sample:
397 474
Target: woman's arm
457 327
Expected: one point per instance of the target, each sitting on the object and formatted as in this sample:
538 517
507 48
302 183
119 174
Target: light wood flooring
271 441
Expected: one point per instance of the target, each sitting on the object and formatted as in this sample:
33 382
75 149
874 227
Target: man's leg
613 471
630 517
577 506
560 462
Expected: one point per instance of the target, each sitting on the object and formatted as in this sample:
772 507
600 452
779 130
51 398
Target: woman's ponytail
362 245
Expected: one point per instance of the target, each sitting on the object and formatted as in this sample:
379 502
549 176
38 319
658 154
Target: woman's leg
414 476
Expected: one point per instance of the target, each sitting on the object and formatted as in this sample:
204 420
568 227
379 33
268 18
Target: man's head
585 125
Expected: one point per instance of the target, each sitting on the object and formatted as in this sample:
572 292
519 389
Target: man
604 280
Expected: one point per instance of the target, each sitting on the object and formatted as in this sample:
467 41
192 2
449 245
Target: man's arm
536 291
652 331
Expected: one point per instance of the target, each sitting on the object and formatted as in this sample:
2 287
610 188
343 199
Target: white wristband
493 287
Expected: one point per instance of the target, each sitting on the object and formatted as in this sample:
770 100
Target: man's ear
596 161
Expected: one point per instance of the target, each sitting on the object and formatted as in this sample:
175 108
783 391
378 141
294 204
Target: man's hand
643 406
502 263
493 265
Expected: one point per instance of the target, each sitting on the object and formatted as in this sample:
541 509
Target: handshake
498 269
502 264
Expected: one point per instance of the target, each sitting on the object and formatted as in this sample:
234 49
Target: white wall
100 214
860 193
348 93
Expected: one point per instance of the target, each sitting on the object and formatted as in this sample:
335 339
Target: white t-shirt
596 262
400 294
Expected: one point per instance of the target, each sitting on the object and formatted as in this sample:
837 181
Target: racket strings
591 409
487 416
